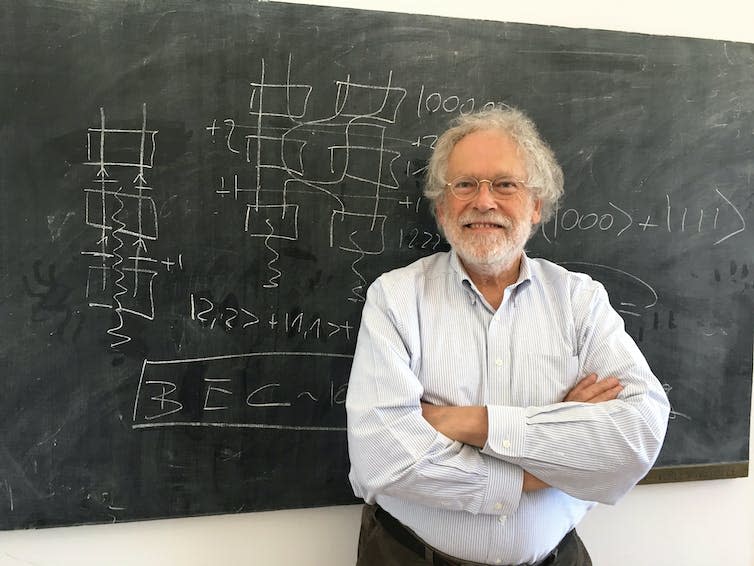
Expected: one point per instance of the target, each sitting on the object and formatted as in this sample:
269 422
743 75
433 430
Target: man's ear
536 214
439 211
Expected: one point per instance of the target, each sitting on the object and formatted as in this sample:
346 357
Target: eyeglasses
466 187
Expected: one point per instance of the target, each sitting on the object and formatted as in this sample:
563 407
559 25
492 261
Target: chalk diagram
352 141
120 207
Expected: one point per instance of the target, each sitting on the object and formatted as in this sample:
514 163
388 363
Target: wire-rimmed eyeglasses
467 187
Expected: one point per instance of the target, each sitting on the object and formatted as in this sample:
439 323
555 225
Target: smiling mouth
482 225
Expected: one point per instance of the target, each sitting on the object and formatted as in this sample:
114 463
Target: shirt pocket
542 379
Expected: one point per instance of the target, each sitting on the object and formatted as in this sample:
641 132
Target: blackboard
195 196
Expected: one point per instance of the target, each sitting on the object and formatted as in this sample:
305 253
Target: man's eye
506 185
465 184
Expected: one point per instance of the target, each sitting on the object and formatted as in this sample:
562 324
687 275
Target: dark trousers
385 546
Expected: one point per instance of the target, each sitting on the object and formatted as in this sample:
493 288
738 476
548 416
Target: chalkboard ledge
697 472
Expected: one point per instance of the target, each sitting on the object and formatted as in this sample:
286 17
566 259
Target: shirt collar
524 276
524 273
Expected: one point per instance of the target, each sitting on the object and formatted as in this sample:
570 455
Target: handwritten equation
229 316
721 217
241 391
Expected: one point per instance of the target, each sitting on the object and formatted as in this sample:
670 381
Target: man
493 397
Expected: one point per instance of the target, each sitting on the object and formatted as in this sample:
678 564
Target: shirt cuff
506 436
504 488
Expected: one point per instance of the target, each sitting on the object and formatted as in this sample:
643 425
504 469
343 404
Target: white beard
490 252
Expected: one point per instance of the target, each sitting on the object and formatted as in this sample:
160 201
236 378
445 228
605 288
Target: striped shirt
427 334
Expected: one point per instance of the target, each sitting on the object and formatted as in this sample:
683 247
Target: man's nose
484 199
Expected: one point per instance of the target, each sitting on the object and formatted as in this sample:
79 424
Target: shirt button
506 443
502 518
498 506
498 561
498 362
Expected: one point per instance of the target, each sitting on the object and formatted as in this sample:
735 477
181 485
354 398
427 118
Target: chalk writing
432 102
229 316
722 220
419 238
235 391
673 413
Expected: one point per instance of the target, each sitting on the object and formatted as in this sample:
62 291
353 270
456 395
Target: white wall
690 524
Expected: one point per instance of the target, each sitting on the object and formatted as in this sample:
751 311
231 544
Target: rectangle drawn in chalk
276 390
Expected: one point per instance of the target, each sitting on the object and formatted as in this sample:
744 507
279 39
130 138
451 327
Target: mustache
487 218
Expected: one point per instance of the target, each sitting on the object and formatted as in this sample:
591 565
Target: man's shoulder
402 289
427 267
553 274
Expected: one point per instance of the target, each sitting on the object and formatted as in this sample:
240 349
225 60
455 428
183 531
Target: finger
591 390
600 386
581 385
607 395
586 381
605 384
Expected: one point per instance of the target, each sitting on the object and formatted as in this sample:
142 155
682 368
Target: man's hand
589 390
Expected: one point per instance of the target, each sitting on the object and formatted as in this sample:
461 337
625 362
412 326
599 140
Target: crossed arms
469 424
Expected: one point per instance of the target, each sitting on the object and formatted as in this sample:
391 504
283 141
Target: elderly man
494 398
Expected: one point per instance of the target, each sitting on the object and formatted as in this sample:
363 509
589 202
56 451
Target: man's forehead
487 144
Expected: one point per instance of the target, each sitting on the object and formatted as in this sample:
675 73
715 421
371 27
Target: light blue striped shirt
428 334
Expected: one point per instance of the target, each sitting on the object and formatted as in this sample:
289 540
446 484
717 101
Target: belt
409 540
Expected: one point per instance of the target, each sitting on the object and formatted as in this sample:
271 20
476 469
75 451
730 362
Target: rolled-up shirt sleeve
592 451
393 449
